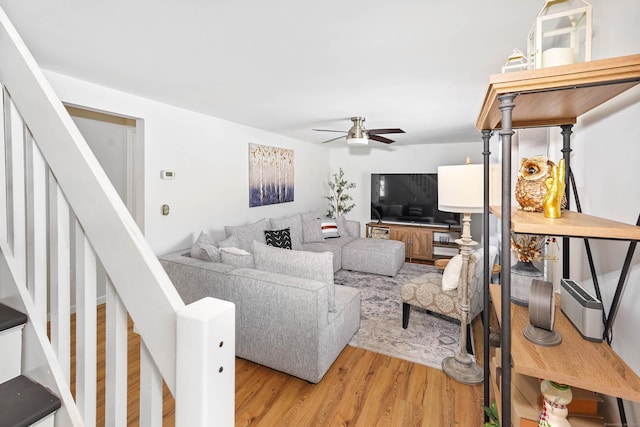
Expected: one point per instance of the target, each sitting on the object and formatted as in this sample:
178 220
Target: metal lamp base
463 371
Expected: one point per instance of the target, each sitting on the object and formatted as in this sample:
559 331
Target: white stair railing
64 232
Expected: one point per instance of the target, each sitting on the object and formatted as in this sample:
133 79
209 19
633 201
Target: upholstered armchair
427 292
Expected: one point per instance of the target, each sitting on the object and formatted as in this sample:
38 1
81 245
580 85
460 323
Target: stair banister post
205 364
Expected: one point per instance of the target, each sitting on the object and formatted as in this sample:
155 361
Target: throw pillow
311 230
229 242
237 257
294 224
205 248
343 229
307 265
329 228
451 273
248 233
278 238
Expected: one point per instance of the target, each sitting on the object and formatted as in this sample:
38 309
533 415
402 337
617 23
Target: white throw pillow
451 273
235 251
236 257
329 228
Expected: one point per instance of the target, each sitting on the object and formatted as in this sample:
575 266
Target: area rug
427 340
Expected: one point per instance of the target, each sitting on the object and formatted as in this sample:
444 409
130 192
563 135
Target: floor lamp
461 190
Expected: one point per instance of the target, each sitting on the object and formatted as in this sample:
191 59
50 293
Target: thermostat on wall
167 175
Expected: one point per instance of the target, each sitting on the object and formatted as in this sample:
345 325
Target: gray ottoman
377 256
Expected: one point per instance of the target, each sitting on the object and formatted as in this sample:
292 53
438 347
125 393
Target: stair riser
11 355
45 422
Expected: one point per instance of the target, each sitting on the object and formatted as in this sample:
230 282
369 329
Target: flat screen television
410 198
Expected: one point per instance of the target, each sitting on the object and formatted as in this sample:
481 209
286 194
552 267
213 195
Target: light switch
167 175
165 210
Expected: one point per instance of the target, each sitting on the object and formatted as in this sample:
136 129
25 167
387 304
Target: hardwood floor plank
361 389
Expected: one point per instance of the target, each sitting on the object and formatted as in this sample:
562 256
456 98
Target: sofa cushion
278 238
237 257
328 246
294 224
248 233
307 265
329 228
311 230
205 248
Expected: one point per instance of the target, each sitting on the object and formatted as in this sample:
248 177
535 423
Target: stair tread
23 402
10 317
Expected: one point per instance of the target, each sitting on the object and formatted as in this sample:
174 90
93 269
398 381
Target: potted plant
339 199
492 414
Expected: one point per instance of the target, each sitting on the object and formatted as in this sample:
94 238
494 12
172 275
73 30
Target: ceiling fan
361 136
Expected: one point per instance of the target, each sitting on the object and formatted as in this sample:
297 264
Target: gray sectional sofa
290 316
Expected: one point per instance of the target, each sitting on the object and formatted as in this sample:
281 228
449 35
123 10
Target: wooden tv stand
422 242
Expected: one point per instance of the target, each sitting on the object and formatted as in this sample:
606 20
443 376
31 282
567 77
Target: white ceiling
288 66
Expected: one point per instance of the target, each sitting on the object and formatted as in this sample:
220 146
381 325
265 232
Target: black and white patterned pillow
278 238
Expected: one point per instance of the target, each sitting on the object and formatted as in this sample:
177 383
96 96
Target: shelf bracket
619 288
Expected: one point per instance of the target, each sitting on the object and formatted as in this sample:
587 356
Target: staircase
23 402
64 234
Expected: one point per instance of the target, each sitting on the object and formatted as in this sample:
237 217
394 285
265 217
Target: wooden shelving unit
557 95
572 224
576 361
554 96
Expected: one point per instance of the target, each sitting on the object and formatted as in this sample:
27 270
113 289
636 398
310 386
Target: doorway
117 143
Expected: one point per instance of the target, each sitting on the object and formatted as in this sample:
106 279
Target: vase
522 274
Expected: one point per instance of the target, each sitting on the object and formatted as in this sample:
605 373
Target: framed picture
270 175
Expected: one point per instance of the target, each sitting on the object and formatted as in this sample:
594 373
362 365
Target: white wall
210 159
108 141
606 147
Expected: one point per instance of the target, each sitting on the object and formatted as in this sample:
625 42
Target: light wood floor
361 388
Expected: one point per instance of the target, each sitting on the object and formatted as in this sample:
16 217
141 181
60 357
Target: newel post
205 364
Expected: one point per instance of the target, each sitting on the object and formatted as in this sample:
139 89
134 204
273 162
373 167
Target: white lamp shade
461 188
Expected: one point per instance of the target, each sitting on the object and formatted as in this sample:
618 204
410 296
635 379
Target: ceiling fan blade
379 131
328 130
381 139
334 139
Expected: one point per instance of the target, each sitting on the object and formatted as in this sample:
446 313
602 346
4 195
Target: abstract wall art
270 175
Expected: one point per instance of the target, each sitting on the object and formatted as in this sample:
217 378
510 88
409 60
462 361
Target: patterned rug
427 340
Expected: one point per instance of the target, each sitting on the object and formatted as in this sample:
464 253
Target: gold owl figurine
530 187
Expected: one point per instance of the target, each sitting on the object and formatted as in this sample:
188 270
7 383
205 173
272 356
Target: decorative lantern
561 34
516 62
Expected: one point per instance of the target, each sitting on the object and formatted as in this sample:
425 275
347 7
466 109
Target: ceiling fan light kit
358 135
